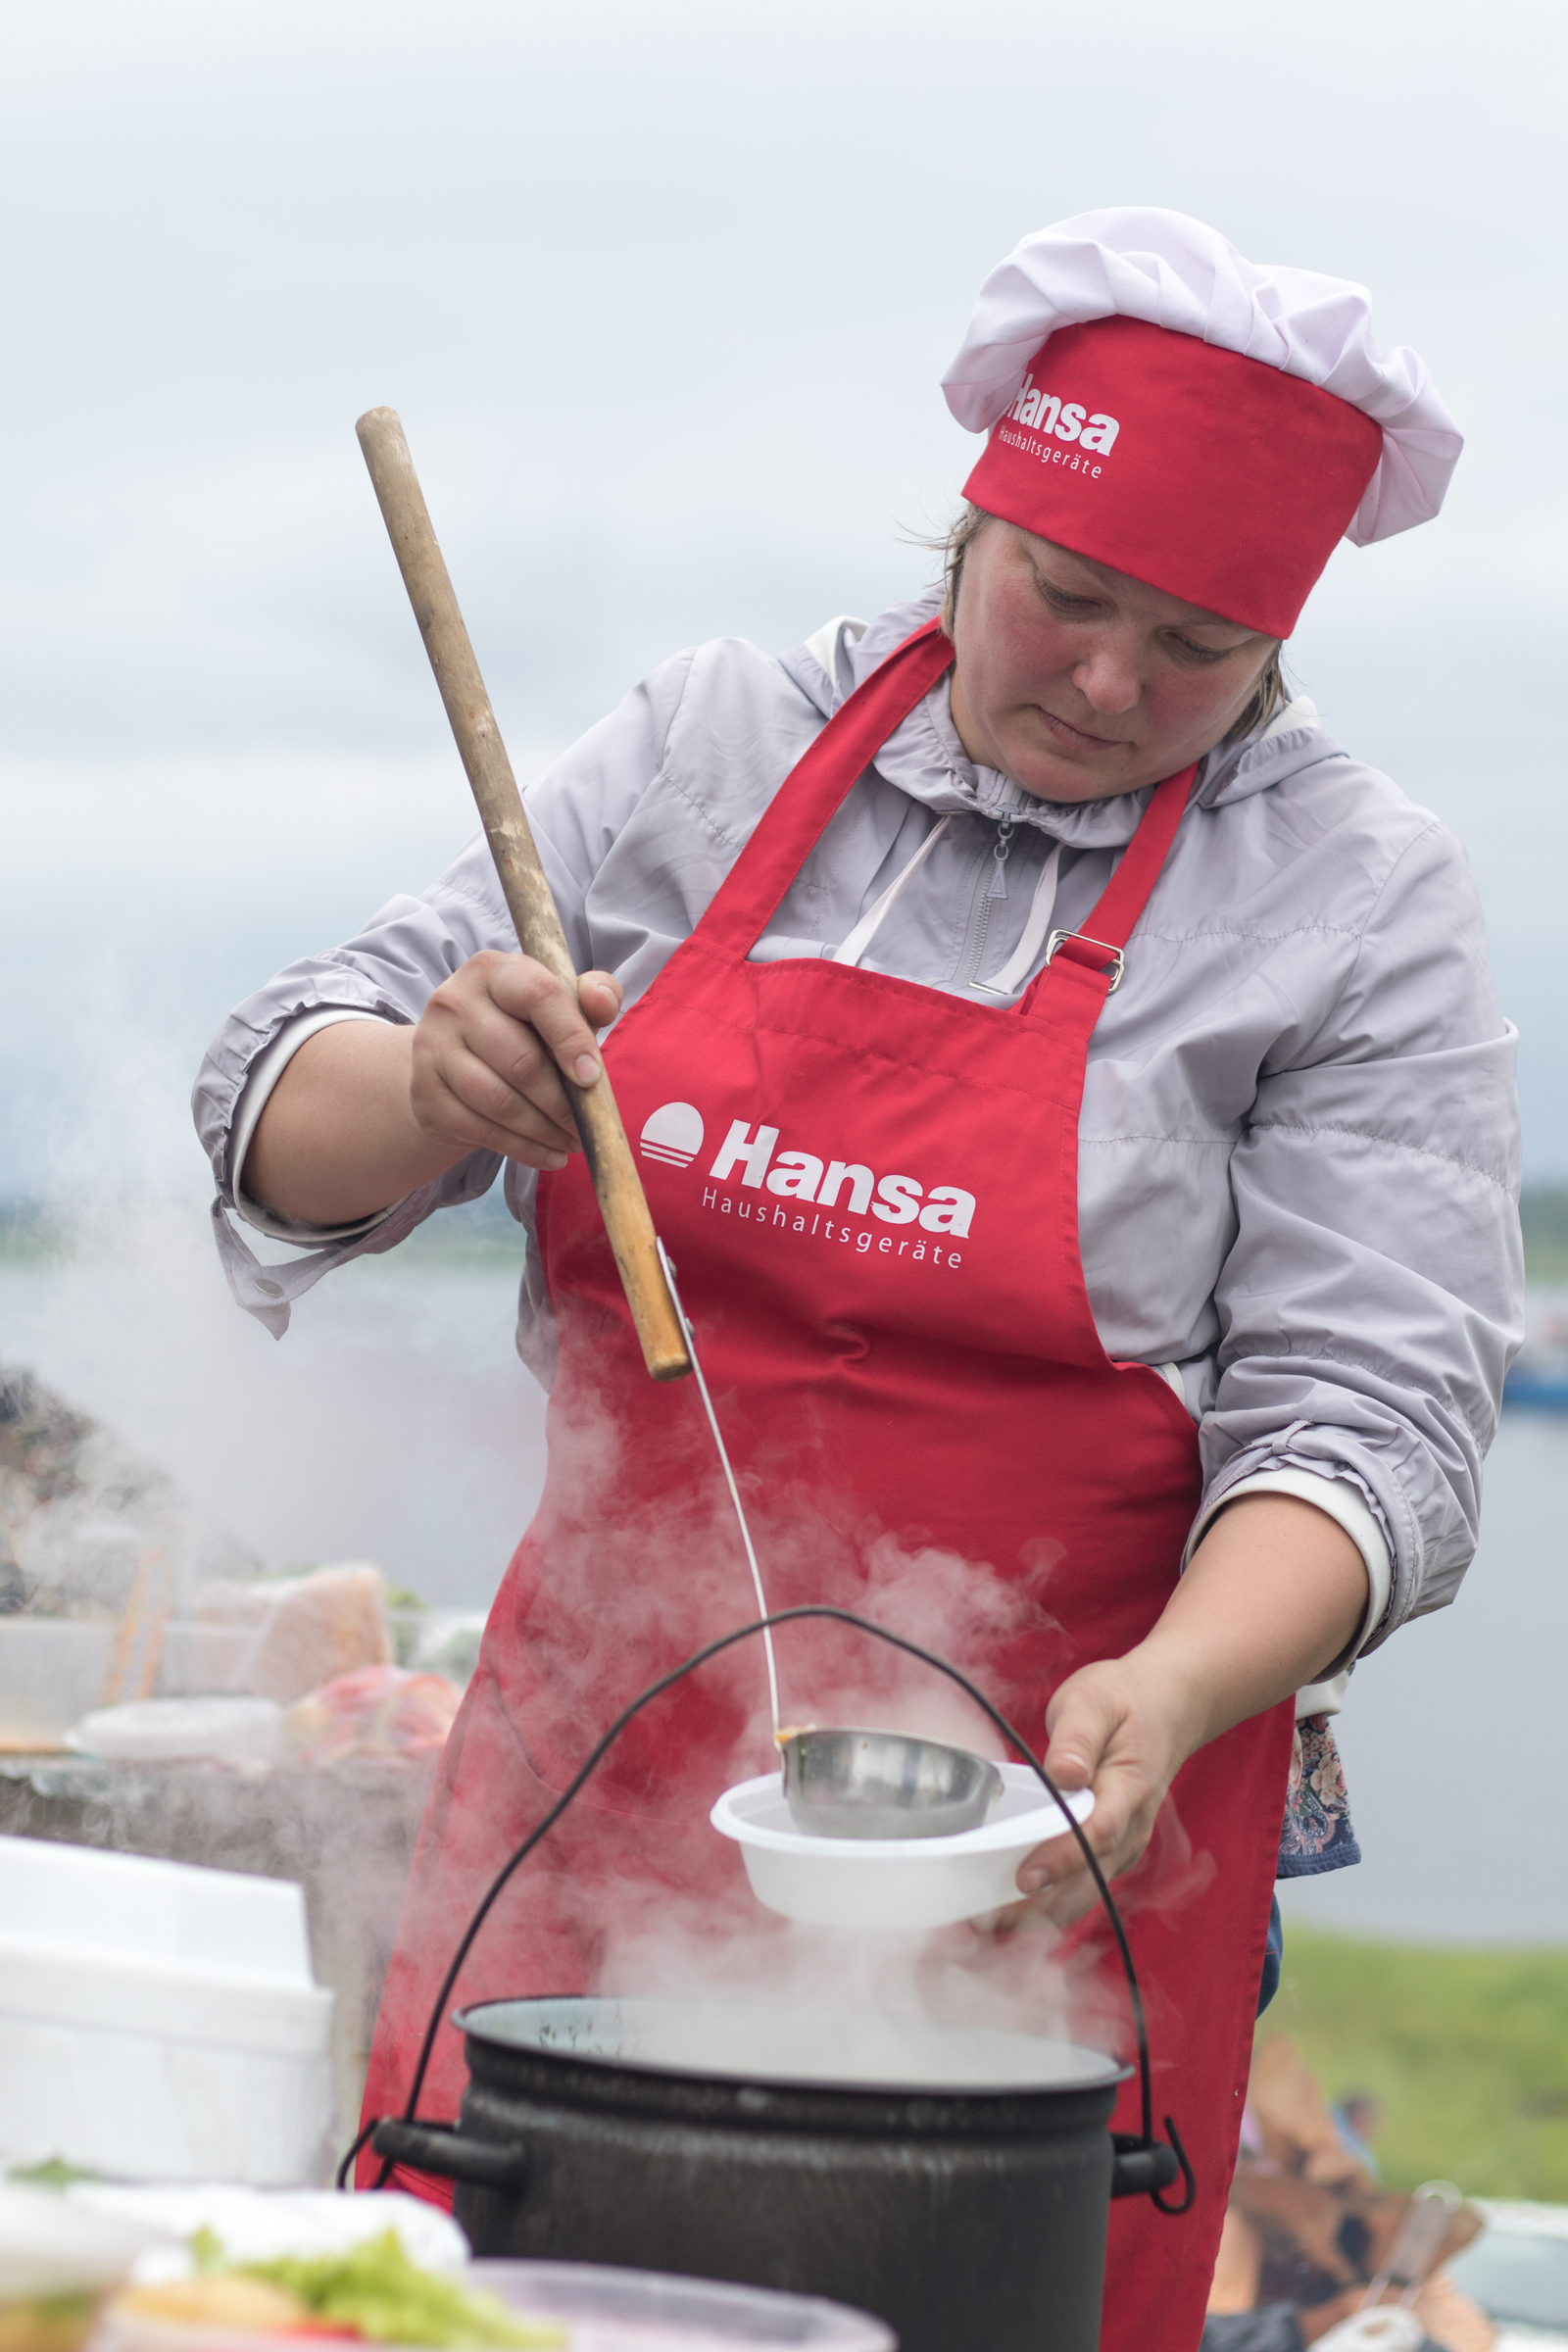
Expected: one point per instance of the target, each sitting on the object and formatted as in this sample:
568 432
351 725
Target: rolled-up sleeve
1372 1299
388 972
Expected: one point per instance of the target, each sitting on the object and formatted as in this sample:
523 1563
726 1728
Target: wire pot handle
1165 2159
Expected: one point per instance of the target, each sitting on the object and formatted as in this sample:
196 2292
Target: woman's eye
1205 652
1070 607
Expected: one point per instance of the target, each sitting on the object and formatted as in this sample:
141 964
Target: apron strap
1126 894
817 787
1097 950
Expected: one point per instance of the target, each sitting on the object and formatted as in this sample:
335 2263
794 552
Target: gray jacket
1298 1141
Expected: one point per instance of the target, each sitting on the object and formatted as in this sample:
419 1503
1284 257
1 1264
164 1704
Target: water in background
1456 1733
395 1424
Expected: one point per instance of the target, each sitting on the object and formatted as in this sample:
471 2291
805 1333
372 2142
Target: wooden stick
621 1200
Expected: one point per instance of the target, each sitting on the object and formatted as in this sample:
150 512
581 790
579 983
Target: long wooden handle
621 1200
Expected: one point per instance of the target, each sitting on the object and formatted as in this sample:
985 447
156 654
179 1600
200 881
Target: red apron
869 1190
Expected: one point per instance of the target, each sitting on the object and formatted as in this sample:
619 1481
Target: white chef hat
1141 262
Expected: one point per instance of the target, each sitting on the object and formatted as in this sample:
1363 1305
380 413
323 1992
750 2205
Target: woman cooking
1072 1091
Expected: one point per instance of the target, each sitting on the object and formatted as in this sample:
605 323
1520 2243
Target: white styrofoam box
131 1907
159 2021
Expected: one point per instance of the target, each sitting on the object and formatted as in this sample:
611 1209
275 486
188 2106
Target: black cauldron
954 2181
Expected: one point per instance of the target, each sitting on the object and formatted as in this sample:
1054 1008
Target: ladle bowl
846 1783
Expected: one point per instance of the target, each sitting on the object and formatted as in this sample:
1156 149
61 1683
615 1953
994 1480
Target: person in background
1358 2119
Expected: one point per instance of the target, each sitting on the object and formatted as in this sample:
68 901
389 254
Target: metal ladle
849 1783
864 1784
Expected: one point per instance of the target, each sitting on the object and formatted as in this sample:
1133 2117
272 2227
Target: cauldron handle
441 2148
1142 2165
1138 2167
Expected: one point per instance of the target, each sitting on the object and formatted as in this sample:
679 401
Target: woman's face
1078 681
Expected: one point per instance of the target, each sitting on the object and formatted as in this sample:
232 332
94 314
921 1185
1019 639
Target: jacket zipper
996 888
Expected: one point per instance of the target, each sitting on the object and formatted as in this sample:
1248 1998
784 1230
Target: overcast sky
663 293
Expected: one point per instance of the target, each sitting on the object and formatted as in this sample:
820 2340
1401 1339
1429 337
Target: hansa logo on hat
673 1133
1046 412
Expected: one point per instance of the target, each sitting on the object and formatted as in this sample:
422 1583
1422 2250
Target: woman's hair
1267 698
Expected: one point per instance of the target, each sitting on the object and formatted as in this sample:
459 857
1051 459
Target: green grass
28 1236
1465 2051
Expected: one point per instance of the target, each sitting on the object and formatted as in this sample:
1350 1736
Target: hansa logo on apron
674 1134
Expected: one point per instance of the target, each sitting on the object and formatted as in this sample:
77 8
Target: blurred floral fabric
1317 1835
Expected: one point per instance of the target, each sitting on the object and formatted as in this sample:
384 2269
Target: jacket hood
924 758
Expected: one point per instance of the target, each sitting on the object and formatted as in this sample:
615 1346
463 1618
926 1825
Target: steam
653 1902
395 1423
669 1573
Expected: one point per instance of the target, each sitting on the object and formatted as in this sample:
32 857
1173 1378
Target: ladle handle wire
601 1747
690 1338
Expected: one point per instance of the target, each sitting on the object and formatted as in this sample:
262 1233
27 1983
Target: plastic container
603 2309
198 1658
52 1670
891 1882
645 2310
158 2022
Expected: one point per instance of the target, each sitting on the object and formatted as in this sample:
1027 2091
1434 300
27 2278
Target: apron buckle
1118 962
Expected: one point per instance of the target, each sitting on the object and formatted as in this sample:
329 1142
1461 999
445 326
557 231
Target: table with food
222 2269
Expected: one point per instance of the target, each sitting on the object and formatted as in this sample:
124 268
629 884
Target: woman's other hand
1272 1597
367 1111
1123 1729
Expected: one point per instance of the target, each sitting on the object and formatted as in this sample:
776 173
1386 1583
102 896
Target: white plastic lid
126 1944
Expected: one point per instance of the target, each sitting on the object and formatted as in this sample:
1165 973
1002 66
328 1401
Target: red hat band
1213 477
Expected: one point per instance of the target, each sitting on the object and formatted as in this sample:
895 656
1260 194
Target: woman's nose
1109 681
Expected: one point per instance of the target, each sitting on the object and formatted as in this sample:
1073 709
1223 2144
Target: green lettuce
377 2290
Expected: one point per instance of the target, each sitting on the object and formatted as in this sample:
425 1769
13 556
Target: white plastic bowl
889 1882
